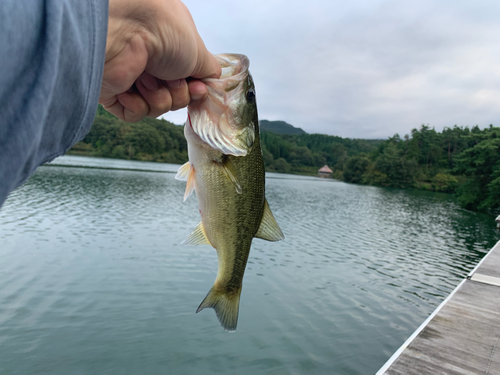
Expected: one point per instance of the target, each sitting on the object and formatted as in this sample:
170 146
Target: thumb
208 66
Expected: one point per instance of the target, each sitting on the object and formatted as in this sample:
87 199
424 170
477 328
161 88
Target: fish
226 171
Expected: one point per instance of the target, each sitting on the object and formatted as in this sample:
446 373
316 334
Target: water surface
93 278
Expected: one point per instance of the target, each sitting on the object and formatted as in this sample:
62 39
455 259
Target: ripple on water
93 278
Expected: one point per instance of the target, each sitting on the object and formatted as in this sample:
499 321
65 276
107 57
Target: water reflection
93 278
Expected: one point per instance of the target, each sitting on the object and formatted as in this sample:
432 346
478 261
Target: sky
360 68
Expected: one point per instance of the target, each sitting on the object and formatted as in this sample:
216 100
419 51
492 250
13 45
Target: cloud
364 69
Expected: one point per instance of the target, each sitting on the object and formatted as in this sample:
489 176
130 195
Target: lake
93 279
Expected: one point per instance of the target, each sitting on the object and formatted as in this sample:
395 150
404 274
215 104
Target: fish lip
228 58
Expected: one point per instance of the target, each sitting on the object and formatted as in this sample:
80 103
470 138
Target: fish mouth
217 120
234 73
233 66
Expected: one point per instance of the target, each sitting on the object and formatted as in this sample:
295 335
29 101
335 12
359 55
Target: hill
280 127
285 147
460 160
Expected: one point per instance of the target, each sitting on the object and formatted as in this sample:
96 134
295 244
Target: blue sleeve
51 64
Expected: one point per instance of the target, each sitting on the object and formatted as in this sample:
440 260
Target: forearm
51 60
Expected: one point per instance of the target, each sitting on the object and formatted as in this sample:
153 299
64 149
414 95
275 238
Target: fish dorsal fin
186 173
269 229
231 173
197 237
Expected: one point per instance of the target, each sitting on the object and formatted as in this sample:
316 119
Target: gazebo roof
325 169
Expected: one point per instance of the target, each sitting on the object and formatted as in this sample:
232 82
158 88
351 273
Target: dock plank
490 265
463 335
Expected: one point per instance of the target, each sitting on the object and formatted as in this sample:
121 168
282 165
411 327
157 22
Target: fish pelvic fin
269 229
197 237
226 305
186 173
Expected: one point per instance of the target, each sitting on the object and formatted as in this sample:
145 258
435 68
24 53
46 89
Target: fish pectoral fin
183 172
186 173
190 184
197 237
226 305
269 229
231 173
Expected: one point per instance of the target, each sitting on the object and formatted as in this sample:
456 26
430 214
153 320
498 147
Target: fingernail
150 82
197 96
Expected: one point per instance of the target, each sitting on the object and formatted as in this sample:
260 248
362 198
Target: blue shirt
51 64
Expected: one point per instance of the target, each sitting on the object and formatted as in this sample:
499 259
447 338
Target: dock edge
415 334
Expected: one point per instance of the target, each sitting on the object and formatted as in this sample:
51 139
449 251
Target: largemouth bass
226 170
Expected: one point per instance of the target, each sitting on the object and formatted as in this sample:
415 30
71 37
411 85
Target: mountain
280 127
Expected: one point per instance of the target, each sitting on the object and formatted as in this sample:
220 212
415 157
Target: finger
135 108
128 106
114 107
155 93
180 93
197 90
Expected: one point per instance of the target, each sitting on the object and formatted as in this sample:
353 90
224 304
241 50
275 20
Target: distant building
498 221
325 171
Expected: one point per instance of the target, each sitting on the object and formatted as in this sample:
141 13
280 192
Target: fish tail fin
226 305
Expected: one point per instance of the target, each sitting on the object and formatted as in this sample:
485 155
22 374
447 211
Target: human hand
152 47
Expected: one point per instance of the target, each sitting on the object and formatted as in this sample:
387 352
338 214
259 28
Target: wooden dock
462 336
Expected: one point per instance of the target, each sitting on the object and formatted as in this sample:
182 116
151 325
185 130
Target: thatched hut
325 171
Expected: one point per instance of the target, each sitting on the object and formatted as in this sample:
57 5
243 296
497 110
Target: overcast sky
362 68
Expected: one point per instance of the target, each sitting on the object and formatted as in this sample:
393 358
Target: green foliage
457 160
480 164
444 182
282 166
148 139
460 160
144 139
280 127
355 169
376 178
398 169
305 153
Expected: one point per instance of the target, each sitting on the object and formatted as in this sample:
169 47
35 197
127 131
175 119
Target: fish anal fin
226 305
231 173
197 237
269 229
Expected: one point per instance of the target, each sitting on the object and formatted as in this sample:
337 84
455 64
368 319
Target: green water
93 279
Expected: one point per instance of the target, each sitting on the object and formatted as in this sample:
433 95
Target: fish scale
230 188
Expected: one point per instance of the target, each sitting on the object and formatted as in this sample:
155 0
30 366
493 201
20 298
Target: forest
460 160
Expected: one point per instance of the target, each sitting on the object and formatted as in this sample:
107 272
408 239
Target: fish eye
251 95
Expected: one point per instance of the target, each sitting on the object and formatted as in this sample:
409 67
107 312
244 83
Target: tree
399 170
481 165
145 139
355 168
